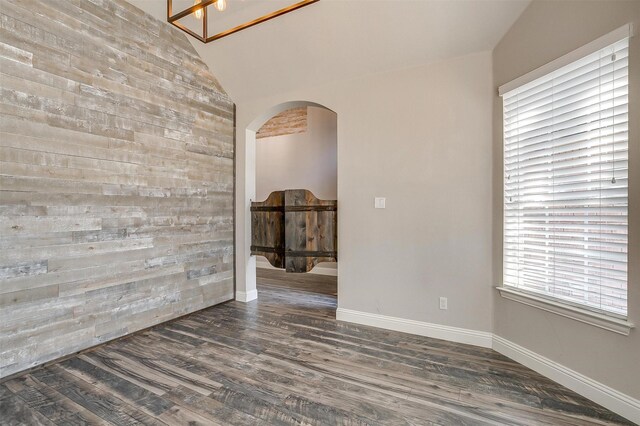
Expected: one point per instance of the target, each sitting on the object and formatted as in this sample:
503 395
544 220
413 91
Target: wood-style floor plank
15 411
285 360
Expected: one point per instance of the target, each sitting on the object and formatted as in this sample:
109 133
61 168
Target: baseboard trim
318 270
616 401
436 331
246 296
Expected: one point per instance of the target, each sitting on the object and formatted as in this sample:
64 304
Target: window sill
616 325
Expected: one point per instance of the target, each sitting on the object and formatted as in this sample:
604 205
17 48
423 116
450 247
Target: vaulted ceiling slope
335 40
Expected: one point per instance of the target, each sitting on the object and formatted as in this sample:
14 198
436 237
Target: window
566 177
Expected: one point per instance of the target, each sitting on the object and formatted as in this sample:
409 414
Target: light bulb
221 5
198 13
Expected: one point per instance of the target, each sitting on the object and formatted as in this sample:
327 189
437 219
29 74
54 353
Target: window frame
605 320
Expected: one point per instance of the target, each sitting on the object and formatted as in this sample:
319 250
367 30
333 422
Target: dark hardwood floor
285 360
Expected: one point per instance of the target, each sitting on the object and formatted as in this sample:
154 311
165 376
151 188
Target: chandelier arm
205 25
189 10
261 20
205 38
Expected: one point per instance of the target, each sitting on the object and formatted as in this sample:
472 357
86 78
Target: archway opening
291 146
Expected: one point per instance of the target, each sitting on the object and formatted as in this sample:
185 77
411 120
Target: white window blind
565 182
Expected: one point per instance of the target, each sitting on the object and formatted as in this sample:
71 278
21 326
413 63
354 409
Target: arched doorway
246 264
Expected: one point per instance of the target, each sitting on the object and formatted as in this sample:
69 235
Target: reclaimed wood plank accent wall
288 122
116 177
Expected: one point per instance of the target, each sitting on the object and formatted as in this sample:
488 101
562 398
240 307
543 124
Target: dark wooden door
267 229
295 230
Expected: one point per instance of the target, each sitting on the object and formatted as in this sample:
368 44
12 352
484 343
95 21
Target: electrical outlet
443 303
379 202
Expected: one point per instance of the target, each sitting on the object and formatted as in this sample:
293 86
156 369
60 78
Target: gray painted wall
116 177
545 31
421 137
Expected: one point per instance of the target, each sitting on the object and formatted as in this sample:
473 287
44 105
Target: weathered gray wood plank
116 178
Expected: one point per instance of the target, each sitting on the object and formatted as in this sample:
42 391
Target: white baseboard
248 296
615 401
318 270
437 331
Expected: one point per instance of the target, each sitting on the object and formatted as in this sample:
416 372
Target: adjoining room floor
282 360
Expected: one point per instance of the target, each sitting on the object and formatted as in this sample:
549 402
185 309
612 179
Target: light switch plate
380 202
443 303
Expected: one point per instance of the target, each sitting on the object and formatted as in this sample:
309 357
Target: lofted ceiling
335 40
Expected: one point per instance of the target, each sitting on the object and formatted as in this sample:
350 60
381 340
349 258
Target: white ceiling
335 40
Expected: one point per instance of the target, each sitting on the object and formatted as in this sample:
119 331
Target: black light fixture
198 21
